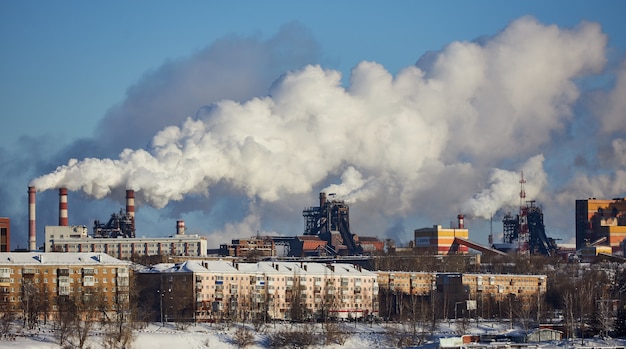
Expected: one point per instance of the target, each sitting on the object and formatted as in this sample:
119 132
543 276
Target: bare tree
30 302
6 324
89 308
568 304
118 330
243 337
65 317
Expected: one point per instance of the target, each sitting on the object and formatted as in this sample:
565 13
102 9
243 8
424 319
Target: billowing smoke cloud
451 134
505 188
471 108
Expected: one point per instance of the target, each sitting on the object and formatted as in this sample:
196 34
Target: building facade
41 283
602 221
5 234
264 290
452 294
438 240
75 239
262 247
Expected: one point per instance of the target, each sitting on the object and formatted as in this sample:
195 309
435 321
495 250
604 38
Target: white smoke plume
505 188
442 128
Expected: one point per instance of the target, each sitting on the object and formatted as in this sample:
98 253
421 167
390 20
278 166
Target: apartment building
268 290
42 282
499 285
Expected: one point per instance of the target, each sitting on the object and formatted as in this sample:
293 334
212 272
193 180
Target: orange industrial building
601 222
438 240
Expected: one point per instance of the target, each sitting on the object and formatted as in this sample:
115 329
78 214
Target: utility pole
161 295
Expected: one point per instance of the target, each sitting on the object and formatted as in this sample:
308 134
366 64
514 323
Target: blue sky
67 65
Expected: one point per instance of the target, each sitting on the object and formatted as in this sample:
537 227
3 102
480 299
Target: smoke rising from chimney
382 134
469 117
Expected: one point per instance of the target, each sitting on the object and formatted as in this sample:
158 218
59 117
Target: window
88 280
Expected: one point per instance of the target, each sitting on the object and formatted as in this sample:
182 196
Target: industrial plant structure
525 232
331 222
116 238
119 225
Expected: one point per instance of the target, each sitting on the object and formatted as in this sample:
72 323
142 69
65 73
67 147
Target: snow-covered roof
58 258
221 266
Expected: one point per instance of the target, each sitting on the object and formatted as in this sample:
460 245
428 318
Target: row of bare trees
588 299
74 319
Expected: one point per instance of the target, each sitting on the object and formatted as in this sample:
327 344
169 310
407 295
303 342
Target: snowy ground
218 336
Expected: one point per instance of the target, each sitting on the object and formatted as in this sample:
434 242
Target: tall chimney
322 199
63 207
130 204
32 229
461 221
180 227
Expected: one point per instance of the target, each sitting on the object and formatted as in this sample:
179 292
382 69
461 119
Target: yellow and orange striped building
438 240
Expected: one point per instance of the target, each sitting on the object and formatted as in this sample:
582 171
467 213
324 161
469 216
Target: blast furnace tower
331 222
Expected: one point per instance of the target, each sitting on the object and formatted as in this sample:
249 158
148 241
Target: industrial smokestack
63 219
180 227
32 229
461 221
130 204
322 199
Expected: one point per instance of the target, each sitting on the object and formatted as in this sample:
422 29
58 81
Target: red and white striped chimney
130 204
461 221
63 219
180 227
32 229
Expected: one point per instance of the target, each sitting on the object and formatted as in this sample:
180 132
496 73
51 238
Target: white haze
452 133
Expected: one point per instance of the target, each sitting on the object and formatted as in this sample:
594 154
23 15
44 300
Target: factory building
219 290
5 234
601 222
125 248
254 246
45 281
330 221
116 237
443 241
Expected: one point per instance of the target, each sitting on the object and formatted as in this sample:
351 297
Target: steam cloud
442 127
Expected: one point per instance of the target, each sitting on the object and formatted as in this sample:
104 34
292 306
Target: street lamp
161 295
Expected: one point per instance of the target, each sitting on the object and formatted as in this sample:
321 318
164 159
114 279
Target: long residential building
278 290
453 292
75 239
41 283
497 285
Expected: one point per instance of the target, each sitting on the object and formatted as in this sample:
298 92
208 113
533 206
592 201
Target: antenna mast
524 235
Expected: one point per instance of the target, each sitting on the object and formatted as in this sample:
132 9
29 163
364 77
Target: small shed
544 335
